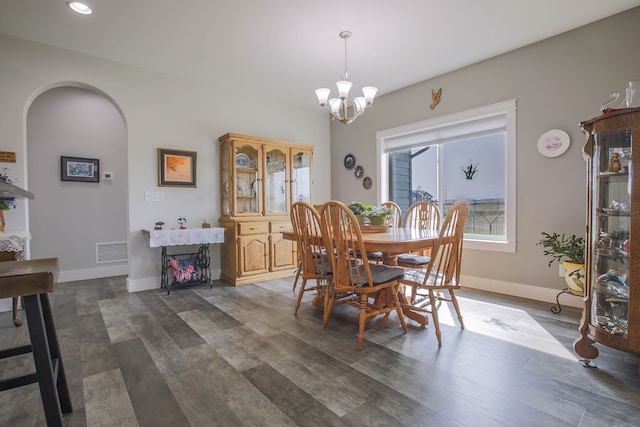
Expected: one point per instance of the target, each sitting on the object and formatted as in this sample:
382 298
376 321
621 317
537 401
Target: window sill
487 245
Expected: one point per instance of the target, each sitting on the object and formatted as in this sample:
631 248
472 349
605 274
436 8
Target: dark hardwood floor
235 356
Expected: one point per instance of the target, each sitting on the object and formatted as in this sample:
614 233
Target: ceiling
284 49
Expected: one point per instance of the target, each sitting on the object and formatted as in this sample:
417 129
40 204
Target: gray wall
76 122
557 83
159 111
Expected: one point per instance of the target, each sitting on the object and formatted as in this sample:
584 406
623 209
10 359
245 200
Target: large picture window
468 155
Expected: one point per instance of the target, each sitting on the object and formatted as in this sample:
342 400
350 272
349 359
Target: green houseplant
376 215
570 251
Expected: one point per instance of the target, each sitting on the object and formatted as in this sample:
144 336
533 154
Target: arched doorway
83 224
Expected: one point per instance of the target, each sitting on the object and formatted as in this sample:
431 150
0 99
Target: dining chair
372 288
299 265
424 215
314 263
396 219
443 272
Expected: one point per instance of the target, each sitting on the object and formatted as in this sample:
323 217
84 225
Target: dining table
393 241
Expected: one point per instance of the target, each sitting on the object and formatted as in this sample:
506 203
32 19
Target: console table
12 249
185 237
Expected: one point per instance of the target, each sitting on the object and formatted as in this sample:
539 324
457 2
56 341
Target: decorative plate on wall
366 183
349 161
358 171
553 143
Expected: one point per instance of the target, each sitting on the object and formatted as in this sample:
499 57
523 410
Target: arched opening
82 223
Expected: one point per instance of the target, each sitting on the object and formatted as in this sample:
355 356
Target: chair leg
327 310
434 314
362 319
295 281
16 319
454 300
302 286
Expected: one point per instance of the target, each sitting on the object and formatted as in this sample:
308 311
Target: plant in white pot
570 251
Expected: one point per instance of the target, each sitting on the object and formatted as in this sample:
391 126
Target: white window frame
475 122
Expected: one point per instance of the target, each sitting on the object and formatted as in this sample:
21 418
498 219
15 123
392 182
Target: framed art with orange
176 168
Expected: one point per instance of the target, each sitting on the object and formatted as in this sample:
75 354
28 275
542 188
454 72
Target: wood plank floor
237 356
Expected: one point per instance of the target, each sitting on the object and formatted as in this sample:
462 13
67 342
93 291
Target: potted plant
570 251
378 215
358 209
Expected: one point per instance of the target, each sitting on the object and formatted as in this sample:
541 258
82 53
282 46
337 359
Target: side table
12 249
185 237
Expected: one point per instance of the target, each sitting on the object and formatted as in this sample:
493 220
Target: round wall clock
366 183
349 161
553 143
358 171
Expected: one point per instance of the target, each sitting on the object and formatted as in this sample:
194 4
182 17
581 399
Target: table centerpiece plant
375 215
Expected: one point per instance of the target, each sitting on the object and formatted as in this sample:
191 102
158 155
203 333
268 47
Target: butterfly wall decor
435 97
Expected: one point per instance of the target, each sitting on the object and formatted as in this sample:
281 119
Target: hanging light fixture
338 107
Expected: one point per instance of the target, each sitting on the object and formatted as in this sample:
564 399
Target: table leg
47 359
423 320
204 263
164 265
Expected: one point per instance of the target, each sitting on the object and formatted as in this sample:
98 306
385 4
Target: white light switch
153 196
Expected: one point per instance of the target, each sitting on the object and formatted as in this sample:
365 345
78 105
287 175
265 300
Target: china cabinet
260 179
612 288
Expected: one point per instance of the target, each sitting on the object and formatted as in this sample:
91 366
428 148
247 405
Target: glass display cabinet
260 178
611 314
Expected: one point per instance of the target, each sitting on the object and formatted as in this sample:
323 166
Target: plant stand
557 308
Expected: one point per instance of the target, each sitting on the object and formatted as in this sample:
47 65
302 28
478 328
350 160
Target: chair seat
413 260
416 276
371 256
381 273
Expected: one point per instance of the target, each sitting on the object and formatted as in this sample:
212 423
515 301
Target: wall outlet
107 176
153 196
561 269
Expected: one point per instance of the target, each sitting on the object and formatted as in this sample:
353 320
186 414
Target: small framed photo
176 168
79 169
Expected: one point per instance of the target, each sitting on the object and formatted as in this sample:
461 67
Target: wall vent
111 252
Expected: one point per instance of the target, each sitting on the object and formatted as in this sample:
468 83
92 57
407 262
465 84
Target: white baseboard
93 273
520 290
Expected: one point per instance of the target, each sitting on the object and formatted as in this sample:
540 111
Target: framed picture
79 169
176 168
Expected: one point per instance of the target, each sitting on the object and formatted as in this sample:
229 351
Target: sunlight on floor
512 325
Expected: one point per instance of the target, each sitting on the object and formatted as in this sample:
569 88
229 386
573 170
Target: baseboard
93 273
520 290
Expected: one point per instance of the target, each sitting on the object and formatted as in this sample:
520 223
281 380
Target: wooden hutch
260 179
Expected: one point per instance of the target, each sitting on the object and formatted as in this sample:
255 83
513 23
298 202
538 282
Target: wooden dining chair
314 263
428 286
372 288
424 215
299 265
396 219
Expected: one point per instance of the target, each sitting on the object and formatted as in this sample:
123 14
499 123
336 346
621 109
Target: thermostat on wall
107 176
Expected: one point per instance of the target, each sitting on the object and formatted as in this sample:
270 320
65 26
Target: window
468 155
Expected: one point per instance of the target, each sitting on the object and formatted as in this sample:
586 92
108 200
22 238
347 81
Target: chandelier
339 107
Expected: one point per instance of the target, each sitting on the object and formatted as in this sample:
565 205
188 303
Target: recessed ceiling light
79 7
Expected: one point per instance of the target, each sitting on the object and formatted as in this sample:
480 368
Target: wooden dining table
393 242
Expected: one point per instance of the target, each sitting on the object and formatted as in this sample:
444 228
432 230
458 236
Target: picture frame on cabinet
177 168
79 169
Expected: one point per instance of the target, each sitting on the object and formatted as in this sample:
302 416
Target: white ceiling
285 49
